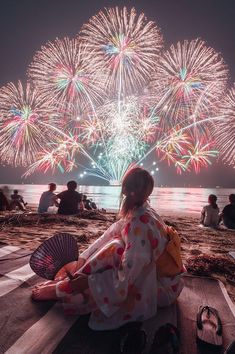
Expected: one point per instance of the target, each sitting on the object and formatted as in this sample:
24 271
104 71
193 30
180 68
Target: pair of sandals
166 341
209 332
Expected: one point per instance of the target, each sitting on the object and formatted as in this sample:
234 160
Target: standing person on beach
17 201
46 199
228 213
4 204
70 200
130 270
210 213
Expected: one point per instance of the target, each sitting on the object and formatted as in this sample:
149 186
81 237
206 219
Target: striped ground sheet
27 327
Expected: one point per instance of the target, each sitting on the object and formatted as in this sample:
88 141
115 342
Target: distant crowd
68 202
211 216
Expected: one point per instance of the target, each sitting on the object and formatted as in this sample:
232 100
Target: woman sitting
133 268
210 213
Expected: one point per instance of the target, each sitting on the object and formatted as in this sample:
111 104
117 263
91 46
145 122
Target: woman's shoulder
146 215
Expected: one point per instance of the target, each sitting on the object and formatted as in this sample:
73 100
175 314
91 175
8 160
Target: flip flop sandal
133 342
230 349
209 330
166 340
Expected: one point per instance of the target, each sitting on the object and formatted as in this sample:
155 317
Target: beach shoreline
29 230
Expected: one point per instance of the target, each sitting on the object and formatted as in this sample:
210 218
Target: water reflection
186 200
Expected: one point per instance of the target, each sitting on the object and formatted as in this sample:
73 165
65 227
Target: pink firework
26 123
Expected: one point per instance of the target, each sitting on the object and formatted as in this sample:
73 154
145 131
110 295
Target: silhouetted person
17 201
47 199
86 202
228 213
210 213
4 204
70 200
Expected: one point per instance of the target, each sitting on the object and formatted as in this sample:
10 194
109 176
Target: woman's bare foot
46 283
44 292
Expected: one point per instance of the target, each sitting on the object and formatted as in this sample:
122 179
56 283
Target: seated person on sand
46 199
4 204
228 213
88 203
127 273
17 201
210 213
70 200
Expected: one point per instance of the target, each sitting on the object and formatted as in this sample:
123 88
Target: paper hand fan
54 254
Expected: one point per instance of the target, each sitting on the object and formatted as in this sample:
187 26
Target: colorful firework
224 130
200 156
25 122
123 132
189 80
117 99
125 45
60 70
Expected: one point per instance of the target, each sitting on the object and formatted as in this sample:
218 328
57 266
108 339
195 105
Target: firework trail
224 130
200 156
61 155
125 45
22 134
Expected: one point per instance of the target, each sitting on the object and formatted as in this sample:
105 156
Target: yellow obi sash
170 262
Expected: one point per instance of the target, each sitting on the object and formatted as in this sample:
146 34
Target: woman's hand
80 283
81 261
71 268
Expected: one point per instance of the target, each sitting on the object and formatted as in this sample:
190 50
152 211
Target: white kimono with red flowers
122 275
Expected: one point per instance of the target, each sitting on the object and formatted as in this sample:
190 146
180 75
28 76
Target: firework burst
224 129
125 45
60 70
25 121
190 78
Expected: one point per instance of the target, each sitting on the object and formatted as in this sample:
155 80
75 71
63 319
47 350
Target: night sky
25 25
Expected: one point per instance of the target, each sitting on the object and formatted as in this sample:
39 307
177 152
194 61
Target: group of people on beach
71 201
134 268
16 201
211 216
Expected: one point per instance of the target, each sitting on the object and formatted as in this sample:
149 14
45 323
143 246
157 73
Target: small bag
170 262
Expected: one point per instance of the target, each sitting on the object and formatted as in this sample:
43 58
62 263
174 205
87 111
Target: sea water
164 200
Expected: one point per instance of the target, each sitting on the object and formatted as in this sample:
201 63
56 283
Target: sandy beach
204 250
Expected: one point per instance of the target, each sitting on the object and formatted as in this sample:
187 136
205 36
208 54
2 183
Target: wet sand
204 250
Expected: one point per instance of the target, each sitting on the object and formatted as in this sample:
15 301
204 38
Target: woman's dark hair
212 200
137 185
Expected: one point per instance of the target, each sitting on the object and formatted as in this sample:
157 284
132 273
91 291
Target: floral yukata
122 275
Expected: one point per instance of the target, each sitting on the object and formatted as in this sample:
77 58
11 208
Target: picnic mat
28 327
